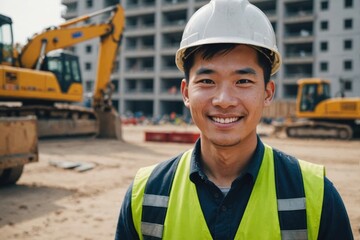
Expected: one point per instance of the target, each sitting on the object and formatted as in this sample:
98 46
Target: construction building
317 38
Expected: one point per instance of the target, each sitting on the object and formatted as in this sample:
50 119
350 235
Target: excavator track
61 120
313 129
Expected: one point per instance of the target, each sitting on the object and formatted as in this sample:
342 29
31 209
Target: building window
71 7
89 3
88 66
324 5
323 46
347 65
72 49
348 24
109 3
348 3
347 44
324 25
88 48
89 86
115 104
348 85
323 66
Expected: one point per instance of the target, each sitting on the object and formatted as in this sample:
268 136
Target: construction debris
77 166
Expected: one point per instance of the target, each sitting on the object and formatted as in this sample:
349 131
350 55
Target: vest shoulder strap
156 197
290 196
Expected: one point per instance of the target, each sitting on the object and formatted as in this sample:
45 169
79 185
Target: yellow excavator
40 82
44 82
321 116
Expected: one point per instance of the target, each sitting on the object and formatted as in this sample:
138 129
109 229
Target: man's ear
269 93
185 93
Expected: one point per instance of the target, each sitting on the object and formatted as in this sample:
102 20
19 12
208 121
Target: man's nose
225 97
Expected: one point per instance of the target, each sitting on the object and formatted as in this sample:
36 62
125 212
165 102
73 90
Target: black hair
208 51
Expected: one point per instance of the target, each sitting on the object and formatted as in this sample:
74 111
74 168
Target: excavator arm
68 34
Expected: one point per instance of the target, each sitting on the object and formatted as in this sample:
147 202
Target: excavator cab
6 41
312 92
65 66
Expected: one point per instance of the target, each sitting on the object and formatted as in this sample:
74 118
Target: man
231 185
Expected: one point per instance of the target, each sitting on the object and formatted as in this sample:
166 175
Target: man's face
226 95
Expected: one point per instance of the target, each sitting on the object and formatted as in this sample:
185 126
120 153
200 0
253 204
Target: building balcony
135 11
172 28
303 36
300 16
174 4
139 30
299 58
140 5
139 52
171 73
169 49
66 2
294 77
139 73
260 1
69 14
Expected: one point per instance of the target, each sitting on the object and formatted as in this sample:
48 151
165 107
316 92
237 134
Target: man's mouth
225 120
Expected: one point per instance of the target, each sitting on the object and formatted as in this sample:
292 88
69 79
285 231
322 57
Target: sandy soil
54 203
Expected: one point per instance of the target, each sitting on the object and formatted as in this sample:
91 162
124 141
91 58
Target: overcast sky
31 16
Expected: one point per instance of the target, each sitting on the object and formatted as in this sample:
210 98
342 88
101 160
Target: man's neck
223 165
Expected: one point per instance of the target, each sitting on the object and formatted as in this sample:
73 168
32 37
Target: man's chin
226 143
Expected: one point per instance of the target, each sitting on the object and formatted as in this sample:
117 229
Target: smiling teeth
225 120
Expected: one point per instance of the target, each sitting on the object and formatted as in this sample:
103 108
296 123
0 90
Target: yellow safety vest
185 219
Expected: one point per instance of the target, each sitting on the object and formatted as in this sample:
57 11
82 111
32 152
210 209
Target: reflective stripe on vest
185 220
291 196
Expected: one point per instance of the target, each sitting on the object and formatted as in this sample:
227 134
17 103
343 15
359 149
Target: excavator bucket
109 124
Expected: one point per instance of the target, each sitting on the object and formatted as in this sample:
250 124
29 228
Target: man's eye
206 81
244 81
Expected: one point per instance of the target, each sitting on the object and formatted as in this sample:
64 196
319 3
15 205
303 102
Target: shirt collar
252 169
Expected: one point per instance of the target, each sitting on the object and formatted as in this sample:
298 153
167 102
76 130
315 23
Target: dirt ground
54 203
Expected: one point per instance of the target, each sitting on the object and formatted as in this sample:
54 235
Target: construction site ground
50 202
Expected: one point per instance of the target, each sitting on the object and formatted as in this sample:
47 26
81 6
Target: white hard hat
230 21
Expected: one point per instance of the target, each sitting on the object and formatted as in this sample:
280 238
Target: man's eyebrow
242 71
204 71
246 71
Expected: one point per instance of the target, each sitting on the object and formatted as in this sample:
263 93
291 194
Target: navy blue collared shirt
223 213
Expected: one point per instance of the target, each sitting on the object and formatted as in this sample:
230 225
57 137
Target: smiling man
231 185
